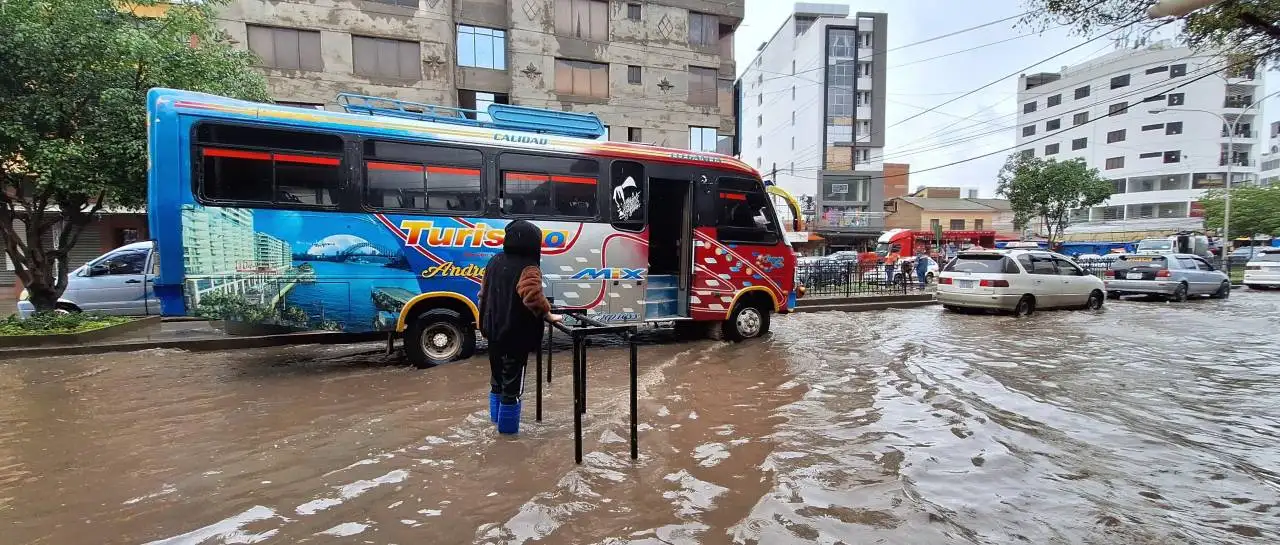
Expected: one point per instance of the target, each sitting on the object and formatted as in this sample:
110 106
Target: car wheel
66 308
1180 294
1224 291
1026 306
1255 287
746 322
1095 300
953 308
438 336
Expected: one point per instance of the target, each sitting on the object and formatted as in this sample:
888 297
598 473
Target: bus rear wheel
438 336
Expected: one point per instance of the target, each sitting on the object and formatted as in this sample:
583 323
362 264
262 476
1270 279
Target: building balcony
1237 103
1238 162
1241 135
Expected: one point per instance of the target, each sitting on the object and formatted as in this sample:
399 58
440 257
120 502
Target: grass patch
50 323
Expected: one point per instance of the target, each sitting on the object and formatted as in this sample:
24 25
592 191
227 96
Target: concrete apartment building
1161 162
812 116
659 71
1269 164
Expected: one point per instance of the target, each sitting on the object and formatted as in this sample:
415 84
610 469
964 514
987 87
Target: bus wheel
747 321
438 336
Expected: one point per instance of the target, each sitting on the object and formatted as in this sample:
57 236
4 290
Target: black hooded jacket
512 307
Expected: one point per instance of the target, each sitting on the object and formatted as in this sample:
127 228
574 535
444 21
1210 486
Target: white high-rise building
1144 120
812 113
1270 161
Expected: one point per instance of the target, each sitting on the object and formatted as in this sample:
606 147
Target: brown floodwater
1144 423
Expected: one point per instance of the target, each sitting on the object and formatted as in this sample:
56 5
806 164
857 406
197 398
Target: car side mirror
98 270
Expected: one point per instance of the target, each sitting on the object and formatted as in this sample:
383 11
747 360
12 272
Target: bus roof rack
504 116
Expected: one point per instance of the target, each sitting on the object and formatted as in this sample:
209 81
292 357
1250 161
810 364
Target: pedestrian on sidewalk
512 313
890 265
922 266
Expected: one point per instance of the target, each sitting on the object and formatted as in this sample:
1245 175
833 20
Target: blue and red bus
382 218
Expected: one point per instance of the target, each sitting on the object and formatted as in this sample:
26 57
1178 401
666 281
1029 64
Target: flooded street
1145 423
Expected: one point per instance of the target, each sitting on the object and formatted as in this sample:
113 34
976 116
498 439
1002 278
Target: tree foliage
1046 192
1254 210
73 81
1245 27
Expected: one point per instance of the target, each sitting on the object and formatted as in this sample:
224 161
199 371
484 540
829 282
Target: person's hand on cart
555 318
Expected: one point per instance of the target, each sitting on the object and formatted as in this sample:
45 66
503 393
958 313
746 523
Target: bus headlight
24 295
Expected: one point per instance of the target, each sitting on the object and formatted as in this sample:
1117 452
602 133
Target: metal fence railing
832 278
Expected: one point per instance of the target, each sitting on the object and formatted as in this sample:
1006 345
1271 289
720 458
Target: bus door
641 203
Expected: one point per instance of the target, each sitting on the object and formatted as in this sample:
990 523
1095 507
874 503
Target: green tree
73 81
1254 210
1244 27
1046 192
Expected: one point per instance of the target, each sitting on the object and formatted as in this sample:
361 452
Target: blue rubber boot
493 406
509 418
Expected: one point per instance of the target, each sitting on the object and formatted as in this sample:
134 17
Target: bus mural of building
384 219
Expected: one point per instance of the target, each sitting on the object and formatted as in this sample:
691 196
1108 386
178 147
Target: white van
117 283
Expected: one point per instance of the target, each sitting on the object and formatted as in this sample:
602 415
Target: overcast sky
920 85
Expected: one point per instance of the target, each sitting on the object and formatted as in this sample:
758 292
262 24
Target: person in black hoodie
512 313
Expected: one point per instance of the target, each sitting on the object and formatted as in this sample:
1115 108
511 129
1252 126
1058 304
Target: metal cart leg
635 439
537 377
577 399
550 331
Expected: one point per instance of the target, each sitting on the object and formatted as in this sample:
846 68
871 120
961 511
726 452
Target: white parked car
1263 271
1021 281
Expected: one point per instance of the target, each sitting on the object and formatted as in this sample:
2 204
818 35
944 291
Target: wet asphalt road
1144 423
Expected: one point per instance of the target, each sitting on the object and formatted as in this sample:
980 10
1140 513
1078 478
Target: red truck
907 241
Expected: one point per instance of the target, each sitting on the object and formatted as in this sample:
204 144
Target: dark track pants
506 373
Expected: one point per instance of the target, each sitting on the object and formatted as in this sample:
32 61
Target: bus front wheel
747 321
438 336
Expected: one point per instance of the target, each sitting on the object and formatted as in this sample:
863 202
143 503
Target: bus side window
628 192
416 177
549 186
291 169
744 213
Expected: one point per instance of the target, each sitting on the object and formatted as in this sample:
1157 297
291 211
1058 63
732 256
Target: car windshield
1247 250
1156 244
978 263
1131 261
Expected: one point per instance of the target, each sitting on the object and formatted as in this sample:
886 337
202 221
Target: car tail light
944 280
994 283
1109 274
1163 274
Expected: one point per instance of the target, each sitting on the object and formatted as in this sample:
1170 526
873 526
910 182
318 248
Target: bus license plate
1134 276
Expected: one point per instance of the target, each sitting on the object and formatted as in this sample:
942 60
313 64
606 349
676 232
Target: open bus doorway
670 247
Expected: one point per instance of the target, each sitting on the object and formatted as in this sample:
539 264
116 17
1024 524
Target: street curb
65 340
196 345
862 300
863 307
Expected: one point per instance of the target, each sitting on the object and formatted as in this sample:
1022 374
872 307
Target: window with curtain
582 78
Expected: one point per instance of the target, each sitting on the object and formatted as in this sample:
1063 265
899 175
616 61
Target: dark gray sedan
1170 276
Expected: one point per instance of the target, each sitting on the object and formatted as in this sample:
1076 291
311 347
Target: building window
481 47
633 75
401 176
586 19
759 99
957 225
1115 162
1027 153
633 12
1150 155
793 142
759 141
1051 149
1029 107
843 44
1173 156
704 29
582 78
1154 127
702 86
866 68
793 119
1177 99
633 134
1082 92
287 168
479 101
760 120
286 48
1053 124
702 138
1177 70
1079 143
864 155
1079 119
977 224
793 68
1118 108
401 3
793 92
1157 70
1054 101
1116 136
1120 81
386 58
935 224
1174 127
1028 130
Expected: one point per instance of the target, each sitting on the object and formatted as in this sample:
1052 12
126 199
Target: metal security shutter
7 276
88 246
